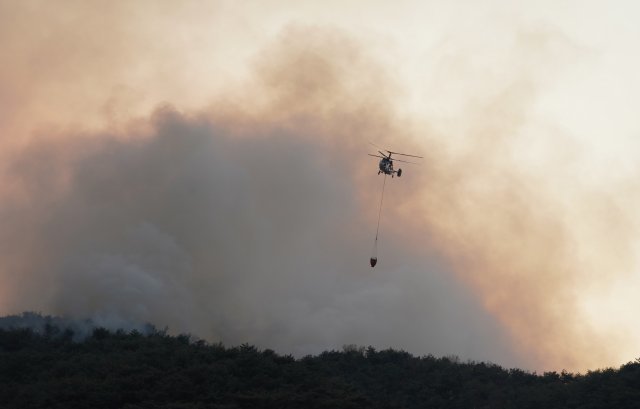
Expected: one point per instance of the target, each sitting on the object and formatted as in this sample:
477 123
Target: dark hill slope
131 370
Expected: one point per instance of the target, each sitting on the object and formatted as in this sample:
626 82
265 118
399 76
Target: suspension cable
384 181
374 255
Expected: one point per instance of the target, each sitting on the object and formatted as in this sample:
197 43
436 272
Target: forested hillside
49 369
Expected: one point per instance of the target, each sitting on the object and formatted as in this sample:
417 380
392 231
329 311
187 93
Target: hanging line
374 256
384 181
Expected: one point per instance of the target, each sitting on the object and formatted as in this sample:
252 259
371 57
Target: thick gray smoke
77 329
256 238
251 221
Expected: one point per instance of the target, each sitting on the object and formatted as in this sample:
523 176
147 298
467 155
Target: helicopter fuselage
386 166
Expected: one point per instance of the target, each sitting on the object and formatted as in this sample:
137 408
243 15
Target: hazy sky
202 165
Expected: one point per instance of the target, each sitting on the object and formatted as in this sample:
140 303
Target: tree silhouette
50 369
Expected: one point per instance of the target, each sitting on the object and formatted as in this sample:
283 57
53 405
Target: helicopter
386 163
385 166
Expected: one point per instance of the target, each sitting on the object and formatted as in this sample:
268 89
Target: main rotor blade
392 152
404 154
405 161
377 156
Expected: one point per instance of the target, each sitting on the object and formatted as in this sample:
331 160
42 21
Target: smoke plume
236 201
